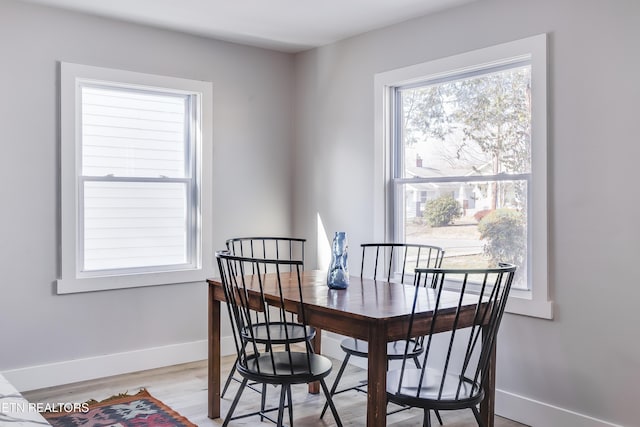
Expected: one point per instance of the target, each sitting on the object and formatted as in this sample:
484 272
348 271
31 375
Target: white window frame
535 301
72 279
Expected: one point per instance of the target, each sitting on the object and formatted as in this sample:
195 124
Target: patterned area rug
121 411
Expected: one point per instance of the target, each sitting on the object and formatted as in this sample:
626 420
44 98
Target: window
135 196
462 155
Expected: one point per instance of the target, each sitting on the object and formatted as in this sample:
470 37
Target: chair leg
283 392
335 383
290 400
263 401
477 415
417 362
235 402
426 420
438 416
330 403
229 378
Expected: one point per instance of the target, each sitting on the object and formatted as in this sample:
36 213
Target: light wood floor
184 388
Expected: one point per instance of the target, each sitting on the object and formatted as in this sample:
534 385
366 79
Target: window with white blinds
137 188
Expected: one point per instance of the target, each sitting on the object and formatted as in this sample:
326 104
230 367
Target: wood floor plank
184 388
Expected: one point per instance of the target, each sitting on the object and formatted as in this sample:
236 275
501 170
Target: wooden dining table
375 311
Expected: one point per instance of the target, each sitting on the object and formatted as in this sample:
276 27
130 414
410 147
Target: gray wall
252 136
588 358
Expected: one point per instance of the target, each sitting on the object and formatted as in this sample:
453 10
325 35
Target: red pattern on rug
139 410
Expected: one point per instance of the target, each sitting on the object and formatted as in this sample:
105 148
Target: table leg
214 356
377 376
314 387
487 406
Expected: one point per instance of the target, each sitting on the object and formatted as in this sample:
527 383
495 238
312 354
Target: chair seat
395 349
286 368
454 393
280 333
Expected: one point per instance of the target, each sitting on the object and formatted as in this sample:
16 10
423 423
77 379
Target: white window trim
535 302
70 281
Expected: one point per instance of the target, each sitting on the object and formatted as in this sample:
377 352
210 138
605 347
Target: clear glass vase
338 274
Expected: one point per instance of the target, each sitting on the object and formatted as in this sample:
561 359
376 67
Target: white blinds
136 207
131 133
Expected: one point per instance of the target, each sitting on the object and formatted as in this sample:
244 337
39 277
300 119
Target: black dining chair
388 262
279 248
453 364
263 357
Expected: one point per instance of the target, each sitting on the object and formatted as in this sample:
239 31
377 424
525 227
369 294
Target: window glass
463 152
129 222
135 225
126 132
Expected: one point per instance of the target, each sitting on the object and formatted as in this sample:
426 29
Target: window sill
105 283
523 303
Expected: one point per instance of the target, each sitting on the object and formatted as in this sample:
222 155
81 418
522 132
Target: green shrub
442 211
503 231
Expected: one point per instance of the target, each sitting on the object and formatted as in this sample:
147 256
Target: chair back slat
397 261
278 248
267 247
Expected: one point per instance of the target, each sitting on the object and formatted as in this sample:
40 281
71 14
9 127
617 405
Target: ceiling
284 25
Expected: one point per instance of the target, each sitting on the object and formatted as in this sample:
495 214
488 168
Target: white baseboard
509 405
71 371
540 414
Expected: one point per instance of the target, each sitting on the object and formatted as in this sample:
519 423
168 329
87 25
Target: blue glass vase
338 274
